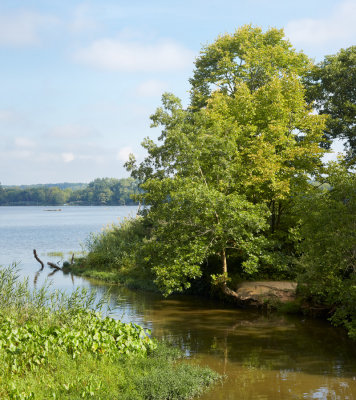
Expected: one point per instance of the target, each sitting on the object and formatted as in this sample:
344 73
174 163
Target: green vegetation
220 183
328 246
58 346
55 254
116 255
105 191
331 85
236 189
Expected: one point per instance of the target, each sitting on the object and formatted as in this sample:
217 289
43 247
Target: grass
58 346
115 256
156 377
54 254
133 277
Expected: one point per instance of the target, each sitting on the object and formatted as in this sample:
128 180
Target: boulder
262 292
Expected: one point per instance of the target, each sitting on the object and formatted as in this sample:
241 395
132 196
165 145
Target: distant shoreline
69 205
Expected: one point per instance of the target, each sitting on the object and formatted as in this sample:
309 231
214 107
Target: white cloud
340 24
24 142
72 131
67 157
123 154
122 54
151 88
22 28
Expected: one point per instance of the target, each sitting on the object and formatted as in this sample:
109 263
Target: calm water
266 357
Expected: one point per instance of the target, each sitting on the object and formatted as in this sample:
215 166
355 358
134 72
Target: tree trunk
226 290
224 262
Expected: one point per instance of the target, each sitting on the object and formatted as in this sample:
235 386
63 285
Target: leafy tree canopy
332 86
249 55
221 176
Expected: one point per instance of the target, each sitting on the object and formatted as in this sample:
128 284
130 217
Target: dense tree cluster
101 191
221 182
236 188
331 85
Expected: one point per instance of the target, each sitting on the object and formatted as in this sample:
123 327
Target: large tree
332 86
218 181
248 55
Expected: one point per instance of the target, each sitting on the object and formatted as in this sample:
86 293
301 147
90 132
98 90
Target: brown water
263 356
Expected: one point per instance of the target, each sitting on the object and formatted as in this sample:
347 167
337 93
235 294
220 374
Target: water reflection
263 356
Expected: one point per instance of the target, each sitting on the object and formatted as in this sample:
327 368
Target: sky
79 79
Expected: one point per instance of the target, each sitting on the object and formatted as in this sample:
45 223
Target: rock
258 293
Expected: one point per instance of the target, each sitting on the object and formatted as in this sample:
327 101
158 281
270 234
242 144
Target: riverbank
133 278
63 342
278 295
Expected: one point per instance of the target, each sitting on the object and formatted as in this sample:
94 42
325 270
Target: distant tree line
101 191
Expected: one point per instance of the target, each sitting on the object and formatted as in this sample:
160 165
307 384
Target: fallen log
37 258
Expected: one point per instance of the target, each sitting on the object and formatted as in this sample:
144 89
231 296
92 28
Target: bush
328 252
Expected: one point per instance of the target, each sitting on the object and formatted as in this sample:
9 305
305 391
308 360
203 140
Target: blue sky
79 79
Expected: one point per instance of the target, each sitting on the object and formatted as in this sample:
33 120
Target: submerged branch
52 265
38 259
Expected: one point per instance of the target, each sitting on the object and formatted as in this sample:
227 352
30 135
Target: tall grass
116 255
17 297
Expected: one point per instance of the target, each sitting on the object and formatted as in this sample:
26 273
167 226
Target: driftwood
52 265
37 258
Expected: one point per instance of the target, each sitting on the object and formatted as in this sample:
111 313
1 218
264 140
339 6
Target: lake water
264 357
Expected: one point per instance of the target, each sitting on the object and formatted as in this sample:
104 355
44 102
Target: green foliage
331 85
116 255
28 345
88 377
249 55
222 180
55 340
329 245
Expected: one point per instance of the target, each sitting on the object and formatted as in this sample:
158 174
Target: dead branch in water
37 258
52 265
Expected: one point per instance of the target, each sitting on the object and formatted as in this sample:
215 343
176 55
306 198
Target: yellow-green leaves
219 181
249 55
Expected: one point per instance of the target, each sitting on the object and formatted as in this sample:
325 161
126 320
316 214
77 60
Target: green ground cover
58 346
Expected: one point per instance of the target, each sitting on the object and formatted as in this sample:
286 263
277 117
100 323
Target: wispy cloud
123 153
151 88
339 25
122 54
72 131
6 116
23 28
67 157
83 19
24 142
